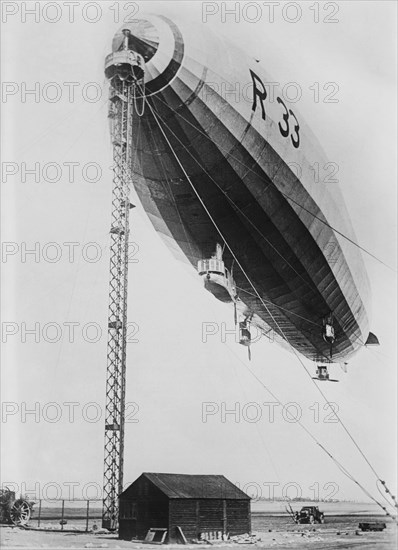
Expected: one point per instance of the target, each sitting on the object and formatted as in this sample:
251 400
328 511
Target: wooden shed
181 506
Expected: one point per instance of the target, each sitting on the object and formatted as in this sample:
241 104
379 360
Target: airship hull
218 159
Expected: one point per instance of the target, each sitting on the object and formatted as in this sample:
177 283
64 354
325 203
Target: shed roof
196 486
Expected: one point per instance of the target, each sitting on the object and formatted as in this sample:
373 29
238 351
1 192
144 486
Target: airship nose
143 38
160 43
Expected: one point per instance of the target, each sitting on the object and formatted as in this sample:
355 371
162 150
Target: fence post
62 518
38 522
87 515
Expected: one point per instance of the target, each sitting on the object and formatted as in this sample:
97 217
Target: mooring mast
124 69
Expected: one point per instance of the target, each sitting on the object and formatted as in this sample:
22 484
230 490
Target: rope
362 343
217 228
255 290
387 491
262 235
172 197
357 338
338 464
260 432
140 114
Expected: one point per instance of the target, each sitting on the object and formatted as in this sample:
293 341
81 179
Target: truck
310 514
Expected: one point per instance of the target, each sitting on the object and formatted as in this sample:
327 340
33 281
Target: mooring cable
314 438
155 115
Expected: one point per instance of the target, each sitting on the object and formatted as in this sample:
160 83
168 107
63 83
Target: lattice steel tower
124 69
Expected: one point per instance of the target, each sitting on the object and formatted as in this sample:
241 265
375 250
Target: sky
180 389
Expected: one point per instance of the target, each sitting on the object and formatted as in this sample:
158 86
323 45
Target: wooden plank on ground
181 533
155 532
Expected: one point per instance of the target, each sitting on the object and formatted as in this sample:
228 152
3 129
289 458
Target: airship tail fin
372 340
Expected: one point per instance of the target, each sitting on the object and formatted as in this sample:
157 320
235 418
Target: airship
228 173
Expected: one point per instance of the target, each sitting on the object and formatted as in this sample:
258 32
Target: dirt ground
339 533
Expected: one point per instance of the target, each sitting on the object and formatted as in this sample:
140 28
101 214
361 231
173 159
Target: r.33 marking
285 130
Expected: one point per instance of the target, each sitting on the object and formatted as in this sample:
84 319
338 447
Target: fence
64 514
